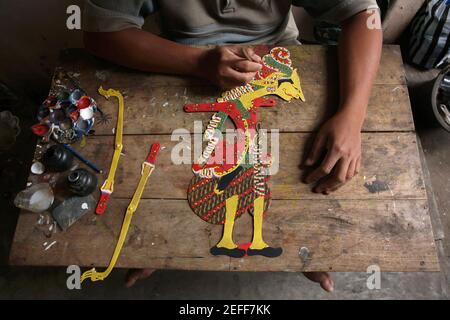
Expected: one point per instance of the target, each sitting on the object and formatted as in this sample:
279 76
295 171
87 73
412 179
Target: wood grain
390 159
153 99
316 65
341 235
160 110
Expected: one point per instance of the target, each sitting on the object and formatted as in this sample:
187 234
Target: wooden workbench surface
381 217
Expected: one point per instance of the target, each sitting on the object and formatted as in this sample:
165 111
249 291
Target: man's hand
229 66
226 66
340 139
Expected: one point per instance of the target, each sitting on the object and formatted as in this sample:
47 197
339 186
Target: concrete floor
49 283
44 283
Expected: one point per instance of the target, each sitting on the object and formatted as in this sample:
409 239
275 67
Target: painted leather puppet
227 185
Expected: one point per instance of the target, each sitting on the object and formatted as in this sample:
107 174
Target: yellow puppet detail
277 77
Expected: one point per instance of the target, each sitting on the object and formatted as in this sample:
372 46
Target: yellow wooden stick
108 186
147 168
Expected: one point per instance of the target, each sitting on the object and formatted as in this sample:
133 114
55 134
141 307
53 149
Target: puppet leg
226 245
258 242
258 246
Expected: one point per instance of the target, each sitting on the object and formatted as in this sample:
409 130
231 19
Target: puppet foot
233 253
268 252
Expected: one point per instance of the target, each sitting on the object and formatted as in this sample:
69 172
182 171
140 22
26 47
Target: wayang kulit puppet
223 189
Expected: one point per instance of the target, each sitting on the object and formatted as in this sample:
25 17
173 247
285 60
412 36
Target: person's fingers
323 278
235 68
250 54
350 175
244 52
239 78
236 50
336 180
228 78
351 169
325 168
246 66
316 150
358 165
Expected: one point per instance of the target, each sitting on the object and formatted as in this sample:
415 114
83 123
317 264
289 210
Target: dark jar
82 182
57 158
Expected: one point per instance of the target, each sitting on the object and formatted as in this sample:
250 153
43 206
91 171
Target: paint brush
82 159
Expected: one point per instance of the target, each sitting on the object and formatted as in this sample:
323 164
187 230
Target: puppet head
277 77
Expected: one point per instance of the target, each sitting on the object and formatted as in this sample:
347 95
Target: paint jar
76 95
63 95
87 113
82 182
36 198
57 116
57 158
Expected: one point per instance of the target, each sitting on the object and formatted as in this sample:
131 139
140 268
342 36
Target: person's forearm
340 137
144 51
359 58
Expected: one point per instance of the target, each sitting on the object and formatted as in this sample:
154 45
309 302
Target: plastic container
57 158
82 182
36 198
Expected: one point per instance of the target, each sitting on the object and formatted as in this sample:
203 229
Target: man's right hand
225 66
229 66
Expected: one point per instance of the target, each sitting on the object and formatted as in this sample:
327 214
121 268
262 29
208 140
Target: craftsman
112 30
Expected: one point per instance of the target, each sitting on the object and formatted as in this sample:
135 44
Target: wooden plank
389 159
346 236
317 65
159 110
341 235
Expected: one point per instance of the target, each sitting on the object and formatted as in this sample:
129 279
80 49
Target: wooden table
381 217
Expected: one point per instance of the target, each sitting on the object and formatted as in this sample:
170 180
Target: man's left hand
340 139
